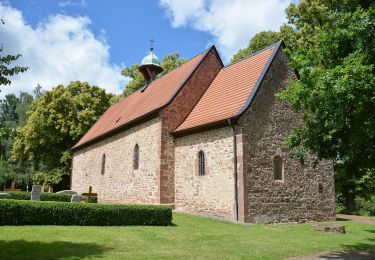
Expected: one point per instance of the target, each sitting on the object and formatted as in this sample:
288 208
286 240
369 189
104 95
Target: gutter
235 174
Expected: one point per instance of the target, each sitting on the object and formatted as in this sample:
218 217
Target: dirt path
337 256
343 255
359 219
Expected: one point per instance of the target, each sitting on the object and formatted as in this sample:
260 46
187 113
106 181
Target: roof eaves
136 121
200 128
99 137
261 77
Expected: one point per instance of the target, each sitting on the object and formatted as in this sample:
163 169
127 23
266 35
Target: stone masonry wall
120 183
304 193
175 113
212 194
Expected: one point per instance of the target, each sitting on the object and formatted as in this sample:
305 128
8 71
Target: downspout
235 202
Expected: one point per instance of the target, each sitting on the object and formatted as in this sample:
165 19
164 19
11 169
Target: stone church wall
212 194
304 193
176 112
120 183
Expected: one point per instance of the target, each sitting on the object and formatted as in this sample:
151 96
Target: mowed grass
190 238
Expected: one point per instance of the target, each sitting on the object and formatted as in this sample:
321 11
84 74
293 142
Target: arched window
278 168
103 164
202 163
136 157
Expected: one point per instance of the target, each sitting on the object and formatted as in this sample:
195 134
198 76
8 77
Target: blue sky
91 40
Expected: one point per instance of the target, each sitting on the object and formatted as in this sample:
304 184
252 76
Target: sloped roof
142 103
231 91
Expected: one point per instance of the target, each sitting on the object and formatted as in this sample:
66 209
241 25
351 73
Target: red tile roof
139 104
229 91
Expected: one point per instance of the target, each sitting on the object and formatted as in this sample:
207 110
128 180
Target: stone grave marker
90 193
35 192
329 228
78 198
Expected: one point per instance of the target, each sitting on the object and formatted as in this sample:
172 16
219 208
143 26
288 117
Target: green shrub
46 196
19 195
365 206
17 212
92 199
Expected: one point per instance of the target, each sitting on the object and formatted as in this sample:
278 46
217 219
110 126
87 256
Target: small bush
365 206
19 195
92 199
46 196
14 212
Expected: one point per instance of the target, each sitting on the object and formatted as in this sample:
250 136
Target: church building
206 139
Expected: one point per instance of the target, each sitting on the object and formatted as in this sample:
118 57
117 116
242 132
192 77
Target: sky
92 40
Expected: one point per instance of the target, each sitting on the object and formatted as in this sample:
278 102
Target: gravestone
78 198
90 194
35 192
329 228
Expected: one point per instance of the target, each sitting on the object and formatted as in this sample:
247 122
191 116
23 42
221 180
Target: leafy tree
5 60
258 42
169 63
13 114
57 120
49 178
336 90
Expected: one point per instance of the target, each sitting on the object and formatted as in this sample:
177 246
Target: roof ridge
192 68
216 52
162 76
253 54
206 52
259 81
264 63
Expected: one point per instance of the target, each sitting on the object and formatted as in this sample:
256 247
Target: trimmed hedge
17 212
46 196
19 195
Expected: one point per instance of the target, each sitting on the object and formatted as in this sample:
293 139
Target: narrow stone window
136 157
320 188
202 164
278 168
103 164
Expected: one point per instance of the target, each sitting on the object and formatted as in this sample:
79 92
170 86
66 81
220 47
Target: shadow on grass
22 249
358 251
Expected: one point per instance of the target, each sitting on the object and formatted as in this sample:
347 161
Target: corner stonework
242 169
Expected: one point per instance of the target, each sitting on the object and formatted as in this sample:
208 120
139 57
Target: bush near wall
17 212
23 195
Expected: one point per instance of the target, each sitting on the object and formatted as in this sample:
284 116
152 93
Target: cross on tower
152 44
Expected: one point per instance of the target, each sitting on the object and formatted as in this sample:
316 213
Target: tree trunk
350 200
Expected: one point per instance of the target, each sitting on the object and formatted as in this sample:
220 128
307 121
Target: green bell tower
150 66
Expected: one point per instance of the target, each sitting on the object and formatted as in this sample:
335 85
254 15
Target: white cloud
231 22
58 50
81 3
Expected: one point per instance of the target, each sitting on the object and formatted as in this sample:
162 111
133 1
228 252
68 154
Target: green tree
13 114
5 60
169 63
336 90
57 120
258 42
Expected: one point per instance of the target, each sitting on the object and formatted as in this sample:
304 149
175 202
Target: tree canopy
333 50
5 61
258 42
57 120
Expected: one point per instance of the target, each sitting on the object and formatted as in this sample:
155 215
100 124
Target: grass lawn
191 237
